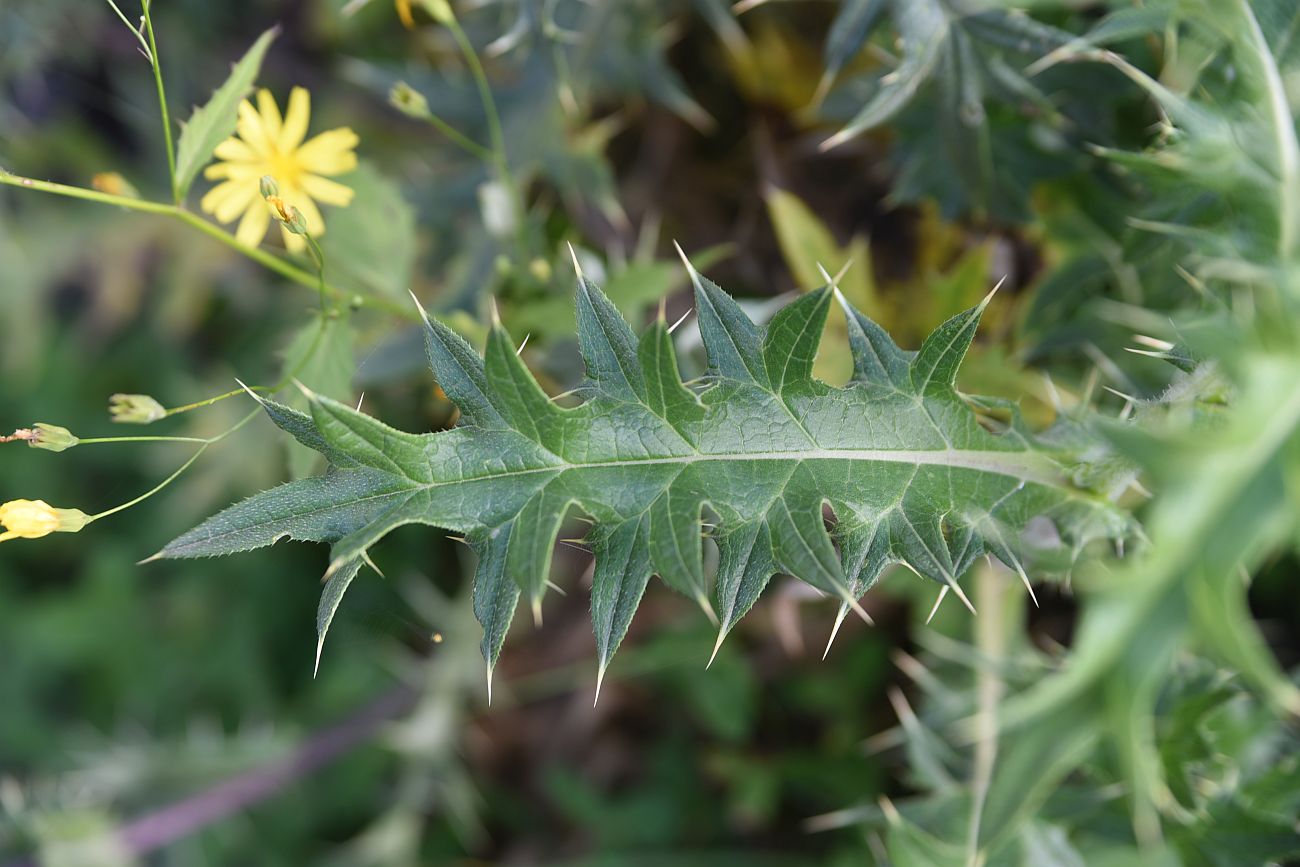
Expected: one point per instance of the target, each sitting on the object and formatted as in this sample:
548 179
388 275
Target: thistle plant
898 456
1163 732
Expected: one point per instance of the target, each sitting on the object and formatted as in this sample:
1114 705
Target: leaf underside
897 456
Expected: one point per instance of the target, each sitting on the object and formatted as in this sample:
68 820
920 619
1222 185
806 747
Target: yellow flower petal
404 13
216 196
330 153
293 243
32 519
252 131
327 191
252 228
234 171
234 149
267 143
236 203
296 117
270 113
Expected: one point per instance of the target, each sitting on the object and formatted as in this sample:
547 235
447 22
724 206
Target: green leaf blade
215 121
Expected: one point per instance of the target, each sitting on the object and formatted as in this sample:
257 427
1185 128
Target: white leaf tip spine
577 267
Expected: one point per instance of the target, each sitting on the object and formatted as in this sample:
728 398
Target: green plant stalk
990 638
463 141
206 443
199 404
146 439
129 26
274 263
162 102
495 135
319 258
209 441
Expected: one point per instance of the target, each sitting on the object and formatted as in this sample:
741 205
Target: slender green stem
162 102
177 410
495 135
164 483
83 193
990 638
267 260
156 439
205 444
129 26
465 143
319 259
484 88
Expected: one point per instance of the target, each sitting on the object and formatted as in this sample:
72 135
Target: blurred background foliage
922 146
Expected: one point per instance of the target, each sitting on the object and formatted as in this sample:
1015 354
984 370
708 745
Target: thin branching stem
135 31
162 102
146 439
462 141
268 260
495 134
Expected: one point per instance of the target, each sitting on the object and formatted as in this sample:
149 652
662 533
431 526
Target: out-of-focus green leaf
849 31
922 31
371 244
320 356
808 246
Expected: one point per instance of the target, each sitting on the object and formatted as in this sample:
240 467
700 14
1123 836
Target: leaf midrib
1026 466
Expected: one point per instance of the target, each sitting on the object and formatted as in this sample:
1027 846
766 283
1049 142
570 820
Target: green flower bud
297 223
409 101
51 437
268 187
115 185
440 10
135 409
540 269
33 519
288 215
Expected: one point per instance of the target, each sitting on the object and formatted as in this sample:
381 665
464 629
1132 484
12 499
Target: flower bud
51 437
115 185
409 101
540 269
135 409
288 215
32 519
268 187
404 13
440 10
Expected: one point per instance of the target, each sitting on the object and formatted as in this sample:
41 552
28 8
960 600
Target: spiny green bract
898 455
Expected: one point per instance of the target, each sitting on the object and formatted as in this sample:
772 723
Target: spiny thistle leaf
898 457
958 96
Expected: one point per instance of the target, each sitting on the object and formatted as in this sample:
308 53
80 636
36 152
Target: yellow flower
404 13
266 144
32 519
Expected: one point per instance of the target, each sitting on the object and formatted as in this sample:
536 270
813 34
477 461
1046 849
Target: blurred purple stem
183 818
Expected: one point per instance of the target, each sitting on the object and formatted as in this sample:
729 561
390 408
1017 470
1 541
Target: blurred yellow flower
266 144
32 519
404 13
